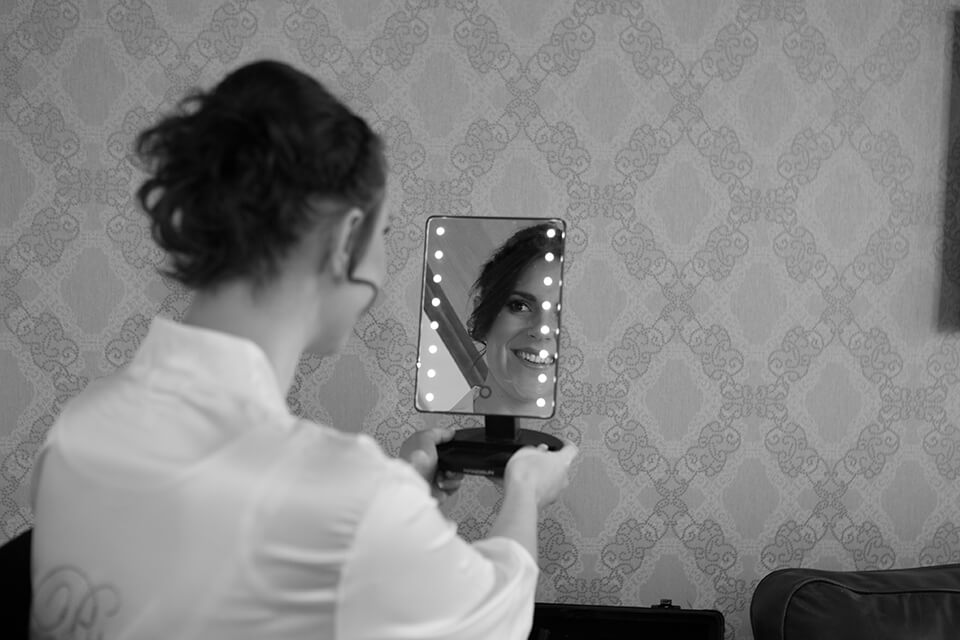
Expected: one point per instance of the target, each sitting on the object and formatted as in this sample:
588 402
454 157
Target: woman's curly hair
236 173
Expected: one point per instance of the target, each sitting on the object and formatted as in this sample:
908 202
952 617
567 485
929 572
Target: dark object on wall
595 622
949 313
15 586
796 604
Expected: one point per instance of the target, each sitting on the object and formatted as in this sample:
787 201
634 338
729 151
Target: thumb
420 461
569 451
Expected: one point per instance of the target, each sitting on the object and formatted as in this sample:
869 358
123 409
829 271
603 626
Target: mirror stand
484 451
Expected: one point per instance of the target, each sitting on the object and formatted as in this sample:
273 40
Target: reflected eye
518 305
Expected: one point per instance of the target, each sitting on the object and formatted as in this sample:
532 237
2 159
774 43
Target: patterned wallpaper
759 359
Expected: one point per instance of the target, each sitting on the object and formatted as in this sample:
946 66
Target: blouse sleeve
410 575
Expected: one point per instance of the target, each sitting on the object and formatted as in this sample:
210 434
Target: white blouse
179 498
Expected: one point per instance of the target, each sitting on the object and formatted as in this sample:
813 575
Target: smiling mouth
533 358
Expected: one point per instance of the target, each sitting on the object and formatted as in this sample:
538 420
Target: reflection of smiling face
522 342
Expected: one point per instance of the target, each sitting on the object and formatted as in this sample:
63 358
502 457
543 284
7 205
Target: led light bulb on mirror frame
435 302
438 254
437 278
545 330
548 257
546 305
441 231
431 373
551 233
544 354
541 402
542 378
548 281
428 397
432 348
434 325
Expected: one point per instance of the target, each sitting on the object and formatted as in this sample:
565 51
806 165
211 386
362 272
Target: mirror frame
450 324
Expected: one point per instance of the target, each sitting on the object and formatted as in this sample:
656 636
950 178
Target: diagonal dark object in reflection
453 333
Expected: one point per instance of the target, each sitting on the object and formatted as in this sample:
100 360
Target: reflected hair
238 174
499 276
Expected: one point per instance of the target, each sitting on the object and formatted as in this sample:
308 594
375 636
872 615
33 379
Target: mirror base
483 452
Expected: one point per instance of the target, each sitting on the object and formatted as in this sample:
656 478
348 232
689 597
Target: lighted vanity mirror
490 316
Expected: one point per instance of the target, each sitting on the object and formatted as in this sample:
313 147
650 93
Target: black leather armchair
921 603
15 586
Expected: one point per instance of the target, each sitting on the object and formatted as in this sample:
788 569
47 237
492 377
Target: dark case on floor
594 622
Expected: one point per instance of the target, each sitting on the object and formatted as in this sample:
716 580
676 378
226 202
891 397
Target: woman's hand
544 472
420 450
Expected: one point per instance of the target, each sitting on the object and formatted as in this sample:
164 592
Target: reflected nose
543 325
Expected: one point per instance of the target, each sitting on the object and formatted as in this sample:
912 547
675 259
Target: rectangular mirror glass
490 316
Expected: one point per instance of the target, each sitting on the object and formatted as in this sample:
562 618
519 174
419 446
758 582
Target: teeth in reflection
542 358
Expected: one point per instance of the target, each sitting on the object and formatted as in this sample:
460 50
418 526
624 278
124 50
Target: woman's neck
265 317
499 402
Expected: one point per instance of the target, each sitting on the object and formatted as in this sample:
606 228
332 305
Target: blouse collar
195 355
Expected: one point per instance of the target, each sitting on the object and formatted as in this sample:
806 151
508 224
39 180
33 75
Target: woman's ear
346 235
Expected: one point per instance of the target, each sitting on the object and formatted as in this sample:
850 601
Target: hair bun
234 171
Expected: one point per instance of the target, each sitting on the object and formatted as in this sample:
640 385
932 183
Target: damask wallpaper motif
759 358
